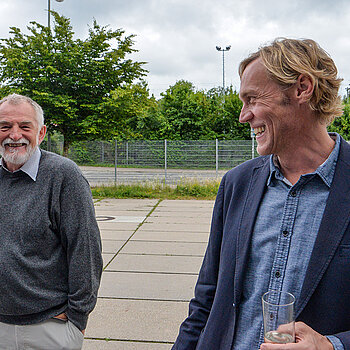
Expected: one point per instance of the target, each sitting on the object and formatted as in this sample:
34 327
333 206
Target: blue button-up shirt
284 234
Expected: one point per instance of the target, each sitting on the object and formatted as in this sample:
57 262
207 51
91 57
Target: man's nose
15 134
245 116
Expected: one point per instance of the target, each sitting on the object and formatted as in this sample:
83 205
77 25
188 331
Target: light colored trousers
52 334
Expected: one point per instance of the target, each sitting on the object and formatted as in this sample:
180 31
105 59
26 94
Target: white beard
12 156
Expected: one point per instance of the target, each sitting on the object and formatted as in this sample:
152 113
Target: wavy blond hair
285 59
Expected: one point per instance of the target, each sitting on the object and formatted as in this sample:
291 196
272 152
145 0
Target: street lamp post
49 12
223 62
49 26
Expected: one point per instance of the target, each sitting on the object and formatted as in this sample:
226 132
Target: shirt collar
31 166
325 170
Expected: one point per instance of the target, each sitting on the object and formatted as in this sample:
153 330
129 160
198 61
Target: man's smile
259 131
15 144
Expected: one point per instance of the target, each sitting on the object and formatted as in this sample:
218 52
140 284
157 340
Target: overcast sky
178 37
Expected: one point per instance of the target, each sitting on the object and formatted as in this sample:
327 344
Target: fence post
49 141
165 160
115 162
127 153
217 156
102 152
253 145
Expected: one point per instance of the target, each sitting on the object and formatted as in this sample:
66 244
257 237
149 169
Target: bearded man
50 247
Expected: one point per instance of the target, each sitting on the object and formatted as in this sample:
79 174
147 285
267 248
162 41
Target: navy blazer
324 303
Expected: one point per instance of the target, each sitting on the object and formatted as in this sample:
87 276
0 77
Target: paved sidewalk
152 253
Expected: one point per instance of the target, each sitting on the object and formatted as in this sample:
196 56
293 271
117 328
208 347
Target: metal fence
162 160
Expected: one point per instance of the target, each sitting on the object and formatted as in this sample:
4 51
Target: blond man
281 221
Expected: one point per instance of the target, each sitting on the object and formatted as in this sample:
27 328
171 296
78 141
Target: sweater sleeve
81 240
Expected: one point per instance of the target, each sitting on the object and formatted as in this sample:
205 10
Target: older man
281 221
50 249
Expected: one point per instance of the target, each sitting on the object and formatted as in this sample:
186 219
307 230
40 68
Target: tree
224 117
185 111
132 113
341 125
190 114
70 78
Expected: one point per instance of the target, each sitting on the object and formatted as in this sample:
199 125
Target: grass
185 190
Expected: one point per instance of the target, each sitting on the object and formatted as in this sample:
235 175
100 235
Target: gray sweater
50 247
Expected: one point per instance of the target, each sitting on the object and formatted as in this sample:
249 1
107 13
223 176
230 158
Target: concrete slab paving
145 289
128 285
180 209
195 205
155 263
160 228
127 204
111 246
116 235
162 212
177 226
119 212
136 320
107 257
141 235
186 202
117 226
122 345
184 220
164 248
120 218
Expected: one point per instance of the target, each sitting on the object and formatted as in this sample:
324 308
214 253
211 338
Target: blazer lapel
254 196
334 222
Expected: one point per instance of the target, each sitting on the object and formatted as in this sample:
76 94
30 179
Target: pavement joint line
165 231
154 254
131 340
113 230
113 240
139 225
149 299
147 240
155 272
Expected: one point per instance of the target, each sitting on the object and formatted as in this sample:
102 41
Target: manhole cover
121 219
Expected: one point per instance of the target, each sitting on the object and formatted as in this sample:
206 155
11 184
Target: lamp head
218 48
59 0
227 47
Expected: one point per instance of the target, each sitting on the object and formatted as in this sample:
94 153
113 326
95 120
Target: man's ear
304 88
42 133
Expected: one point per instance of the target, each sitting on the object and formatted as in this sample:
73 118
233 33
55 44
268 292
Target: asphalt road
108 176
